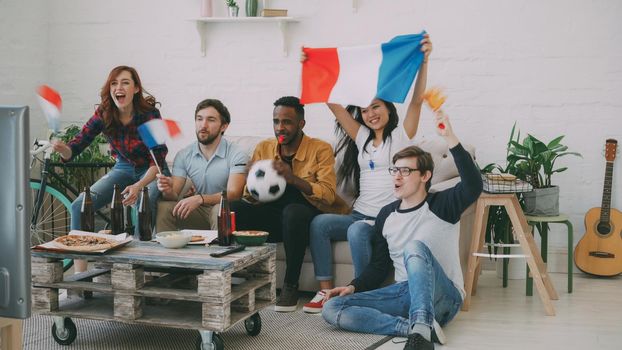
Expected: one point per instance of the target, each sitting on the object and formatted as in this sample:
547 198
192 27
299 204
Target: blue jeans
427 295
333 227
122 174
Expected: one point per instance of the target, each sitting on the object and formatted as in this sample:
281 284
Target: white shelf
203 22
246 19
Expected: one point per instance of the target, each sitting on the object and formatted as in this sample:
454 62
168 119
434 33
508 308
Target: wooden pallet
184 288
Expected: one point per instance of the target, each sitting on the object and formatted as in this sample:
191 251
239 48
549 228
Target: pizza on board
84 243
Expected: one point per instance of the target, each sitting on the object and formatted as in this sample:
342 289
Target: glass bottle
116 211
129 225
87 214
224 221
144 217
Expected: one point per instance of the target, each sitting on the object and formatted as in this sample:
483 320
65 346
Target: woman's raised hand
426 47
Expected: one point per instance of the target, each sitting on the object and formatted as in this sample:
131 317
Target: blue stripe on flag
401 58
148 138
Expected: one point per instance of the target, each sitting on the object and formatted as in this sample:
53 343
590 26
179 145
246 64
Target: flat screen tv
15 210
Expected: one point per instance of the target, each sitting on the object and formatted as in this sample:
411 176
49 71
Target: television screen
15 206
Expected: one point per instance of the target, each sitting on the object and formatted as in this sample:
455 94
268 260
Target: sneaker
437 334
416 341
288 300
315 305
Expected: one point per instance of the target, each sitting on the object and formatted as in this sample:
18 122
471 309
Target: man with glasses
418 236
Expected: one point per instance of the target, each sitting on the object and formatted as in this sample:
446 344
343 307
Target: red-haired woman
122 109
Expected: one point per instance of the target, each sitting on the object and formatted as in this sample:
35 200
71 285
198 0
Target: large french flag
157 131
356 75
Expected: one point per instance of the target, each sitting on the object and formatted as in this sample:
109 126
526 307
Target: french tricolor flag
157 131
357 75
51 103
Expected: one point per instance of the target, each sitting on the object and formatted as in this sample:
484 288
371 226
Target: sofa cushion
246 143
444 166
341 253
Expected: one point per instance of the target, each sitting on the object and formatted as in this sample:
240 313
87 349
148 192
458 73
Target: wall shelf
203 22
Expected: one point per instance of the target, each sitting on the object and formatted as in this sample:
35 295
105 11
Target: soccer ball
264 183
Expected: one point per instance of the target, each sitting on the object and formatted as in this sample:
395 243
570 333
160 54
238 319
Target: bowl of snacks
173 239
250 238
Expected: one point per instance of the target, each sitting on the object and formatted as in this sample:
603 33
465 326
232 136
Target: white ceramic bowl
173 239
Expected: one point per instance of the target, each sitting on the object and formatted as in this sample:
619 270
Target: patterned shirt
125 142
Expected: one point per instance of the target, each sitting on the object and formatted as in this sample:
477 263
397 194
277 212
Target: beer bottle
144 216
224 223
116 212
87 214
129 225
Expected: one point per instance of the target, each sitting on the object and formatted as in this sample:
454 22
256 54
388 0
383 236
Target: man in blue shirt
212 164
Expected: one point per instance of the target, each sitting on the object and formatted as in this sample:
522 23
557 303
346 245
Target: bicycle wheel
54 215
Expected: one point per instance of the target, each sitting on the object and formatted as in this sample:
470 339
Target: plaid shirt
125 142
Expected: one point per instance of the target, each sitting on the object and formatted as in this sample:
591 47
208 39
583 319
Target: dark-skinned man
307 164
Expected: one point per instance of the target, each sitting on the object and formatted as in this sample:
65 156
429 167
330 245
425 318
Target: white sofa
445 176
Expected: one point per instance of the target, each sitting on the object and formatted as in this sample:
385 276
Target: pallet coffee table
145 283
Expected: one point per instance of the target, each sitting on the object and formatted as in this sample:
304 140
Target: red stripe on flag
319 74
50 95
173 128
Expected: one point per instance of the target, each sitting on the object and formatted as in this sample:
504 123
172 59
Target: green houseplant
81 177
534 161
530 160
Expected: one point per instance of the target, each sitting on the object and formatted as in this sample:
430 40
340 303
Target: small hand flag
156 132
51 103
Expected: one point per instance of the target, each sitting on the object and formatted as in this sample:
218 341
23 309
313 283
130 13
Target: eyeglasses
403 170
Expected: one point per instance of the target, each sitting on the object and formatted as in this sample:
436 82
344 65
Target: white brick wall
23 52
554 66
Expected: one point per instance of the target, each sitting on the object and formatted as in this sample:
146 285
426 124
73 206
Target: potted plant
233 8
97 152
534 162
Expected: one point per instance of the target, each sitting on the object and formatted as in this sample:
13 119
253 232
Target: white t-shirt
376 185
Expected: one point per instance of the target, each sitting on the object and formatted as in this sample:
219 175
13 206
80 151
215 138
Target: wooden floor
589 318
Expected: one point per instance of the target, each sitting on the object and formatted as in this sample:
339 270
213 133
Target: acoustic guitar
599 252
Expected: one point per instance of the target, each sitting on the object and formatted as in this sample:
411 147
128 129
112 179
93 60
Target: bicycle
51 207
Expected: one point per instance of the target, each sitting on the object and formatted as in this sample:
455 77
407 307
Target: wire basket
504 183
